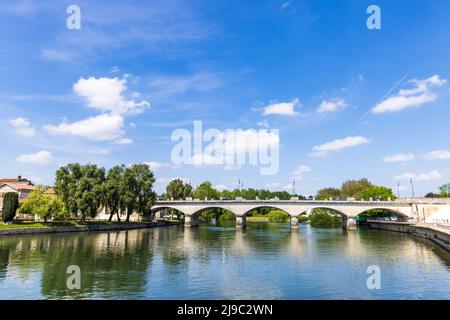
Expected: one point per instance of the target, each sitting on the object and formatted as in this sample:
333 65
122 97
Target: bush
227 215
278 216
303 218
10 205
321 218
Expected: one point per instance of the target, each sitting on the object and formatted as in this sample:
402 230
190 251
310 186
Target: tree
353 188
113 191
205 190
432 195
178 190
326 193
10 205
43 205
377 192
66 186
81 188
323 218
140 196
445 190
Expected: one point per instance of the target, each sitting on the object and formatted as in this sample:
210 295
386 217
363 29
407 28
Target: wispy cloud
432 175
418 95
437 155
282 108
337 145
22 127
399 157
332 105
38 158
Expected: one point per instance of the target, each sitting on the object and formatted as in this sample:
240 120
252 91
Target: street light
398 189
412 187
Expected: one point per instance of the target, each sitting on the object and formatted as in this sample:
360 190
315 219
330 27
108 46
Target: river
265 261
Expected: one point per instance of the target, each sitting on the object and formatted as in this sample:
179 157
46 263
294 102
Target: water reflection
265 261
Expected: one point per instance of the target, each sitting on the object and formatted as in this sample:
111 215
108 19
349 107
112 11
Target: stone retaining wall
98 227
441 238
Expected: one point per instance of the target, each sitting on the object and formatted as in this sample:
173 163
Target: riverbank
74 226
439 235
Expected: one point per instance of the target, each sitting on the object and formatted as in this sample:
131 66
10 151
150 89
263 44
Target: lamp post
398 189
293 187
412 187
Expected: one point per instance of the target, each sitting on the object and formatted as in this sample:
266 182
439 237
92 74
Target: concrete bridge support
191 221
294 222
349 223
241 222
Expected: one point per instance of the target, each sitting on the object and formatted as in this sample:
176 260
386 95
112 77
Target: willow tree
81 188
138 195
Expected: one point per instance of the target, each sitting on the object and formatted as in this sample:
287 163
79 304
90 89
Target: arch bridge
411 210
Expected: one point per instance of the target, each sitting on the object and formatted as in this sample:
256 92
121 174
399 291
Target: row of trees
178 190
85 189
361 189
444 192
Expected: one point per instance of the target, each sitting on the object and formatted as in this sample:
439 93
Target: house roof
18 186
15 180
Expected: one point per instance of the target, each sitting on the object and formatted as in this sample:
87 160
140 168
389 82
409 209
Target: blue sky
349 102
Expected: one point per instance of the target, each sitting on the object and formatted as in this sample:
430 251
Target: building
19 185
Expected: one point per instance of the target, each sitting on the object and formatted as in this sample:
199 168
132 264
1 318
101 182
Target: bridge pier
348 223
191 221
241 222
294 222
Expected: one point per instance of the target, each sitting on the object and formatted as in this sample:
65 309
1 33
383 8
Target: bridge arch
401 216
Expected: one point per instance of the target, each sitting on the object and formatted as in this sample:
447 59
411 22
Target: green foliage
205 190
353 188
327 193
226 216
278 216
377 193
85 189
324 218
432 195
375 213
10 205
303 218
178 190
43 205
81 188
445 190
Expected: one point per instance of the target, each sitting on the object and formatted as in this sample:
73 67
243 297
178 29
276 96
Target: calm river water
266 261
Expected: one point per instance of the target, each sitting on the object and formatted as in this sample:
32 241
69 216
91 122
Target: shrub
278 216
302 218
321 218
227 215
10 205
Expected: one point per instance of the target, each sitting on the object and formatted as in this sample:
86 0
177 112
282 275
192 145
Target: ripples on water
265 261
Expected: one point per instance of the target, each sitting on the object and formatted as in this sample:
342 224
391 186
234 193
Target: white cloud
22 127
123 141
155 165
437 155
285 5
263 123
301 169
106 94
414 97
38 158
432 175
55 55
282 108
331 106
104 127
273 185
338 144
399 157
